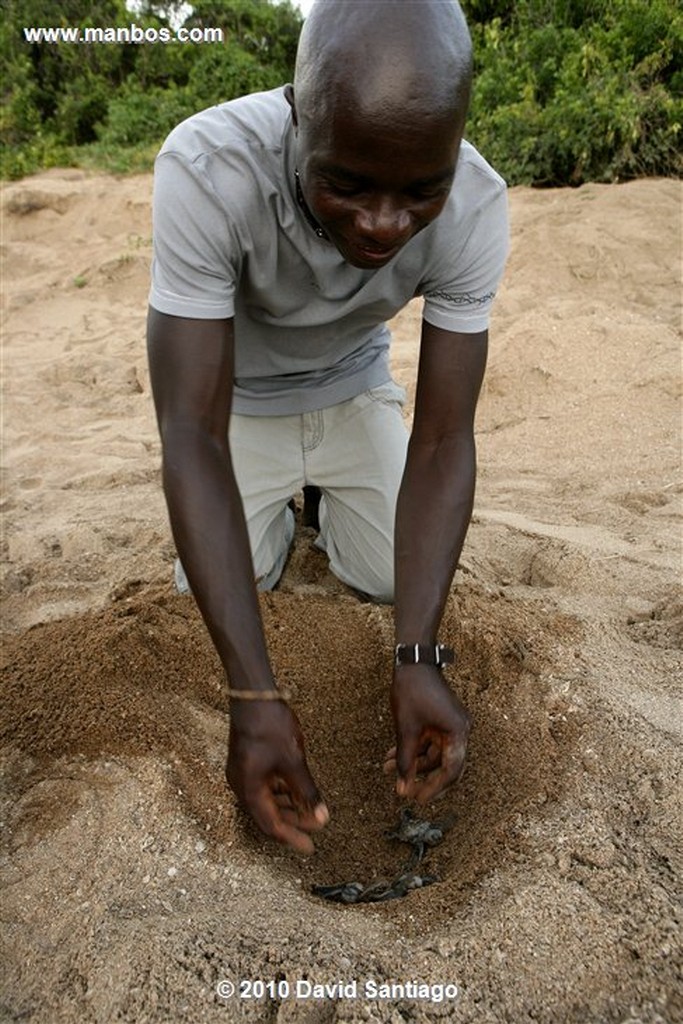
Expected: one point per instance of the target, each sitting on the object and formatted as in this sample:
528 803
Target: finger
429 787
272 820
430 760
427 763
452 767
315 817
292 817
306 817
289 810
283 800
389 766
433 749
428 756
306 798
294 838
303 822
424 763
406 762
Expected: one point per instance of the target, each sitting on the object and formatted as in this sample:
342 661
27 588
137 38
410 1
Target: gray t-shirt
230 239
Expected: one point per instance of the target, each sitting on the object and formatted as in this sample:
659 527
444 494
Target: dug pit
141 679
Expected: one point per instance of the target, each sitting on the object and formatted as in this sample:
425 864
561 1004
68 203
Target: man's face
373 185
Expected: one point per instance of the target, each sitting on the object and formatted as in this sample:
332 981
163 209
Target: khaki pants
355 453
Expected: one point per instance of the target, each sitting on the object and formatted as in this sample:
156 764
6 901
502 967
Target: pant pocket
390 393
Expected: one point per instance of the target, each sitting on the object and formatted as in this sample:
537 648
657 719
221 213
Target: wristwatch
424 654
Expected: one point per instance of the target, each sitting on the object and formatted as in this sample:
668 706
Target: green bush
31 157
82 104
560 99
222 73
565 91
136 116
66 102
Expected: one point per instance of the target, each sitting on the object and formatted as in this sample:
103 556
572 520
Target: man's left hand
432 727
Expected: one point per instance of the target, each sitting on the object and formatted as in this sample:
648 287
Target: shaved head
378 57
379 102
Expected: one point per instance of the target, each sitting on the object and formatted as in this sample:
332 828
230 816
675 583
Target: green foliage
100 156
83 102
565 91
267 31
135 115
72 102
222 73
29 157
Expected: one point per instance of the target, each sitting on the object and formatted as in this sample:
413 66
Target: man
288 227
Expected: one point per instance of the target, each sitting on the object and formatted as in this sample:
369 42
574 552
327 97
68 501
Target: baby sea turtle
377 892
420 835
344 892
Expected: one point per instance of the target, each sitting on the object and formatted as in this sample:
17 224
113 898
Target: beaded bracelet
258 695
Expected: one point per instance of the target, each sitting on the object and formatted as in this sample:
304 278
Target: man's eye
343 188
429 195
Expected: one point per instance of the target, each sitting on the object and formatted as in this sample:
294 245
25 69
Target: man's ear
289 96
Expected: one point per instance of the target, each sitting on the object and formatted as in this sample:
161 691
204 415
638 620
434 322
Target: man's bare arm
433 514
191 367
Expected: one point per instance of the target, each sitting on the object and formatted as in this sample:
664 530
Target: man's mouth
371 255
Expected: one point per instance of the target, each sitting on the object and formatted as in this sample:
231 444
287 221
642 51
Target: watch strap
424 654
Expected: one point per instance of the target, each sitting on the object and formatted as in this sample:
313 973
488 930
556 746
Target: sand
131 884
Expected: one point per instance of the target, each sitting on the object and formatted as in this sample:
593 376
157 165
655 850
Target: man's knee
270 555
385 596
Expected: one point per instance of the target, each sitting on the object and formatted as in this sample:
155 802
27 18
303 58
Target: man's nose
383 223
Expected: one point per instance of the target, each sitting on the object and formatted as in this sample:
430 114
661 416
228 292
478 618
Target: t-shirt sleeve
196 256
462 299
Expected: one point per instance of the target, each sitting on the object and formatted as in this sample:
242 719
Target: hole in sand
141 679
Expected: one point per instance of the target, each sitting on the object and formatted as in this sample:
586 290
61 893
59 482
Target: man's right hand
268 773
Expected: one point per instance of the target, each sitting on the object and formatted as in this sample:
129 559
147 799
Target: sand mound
132 885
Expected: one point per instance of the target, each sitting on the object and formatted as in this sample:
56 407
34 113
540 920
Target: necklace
320 232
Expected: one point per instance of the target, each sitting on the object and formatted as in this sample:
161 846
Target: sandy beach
132 886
